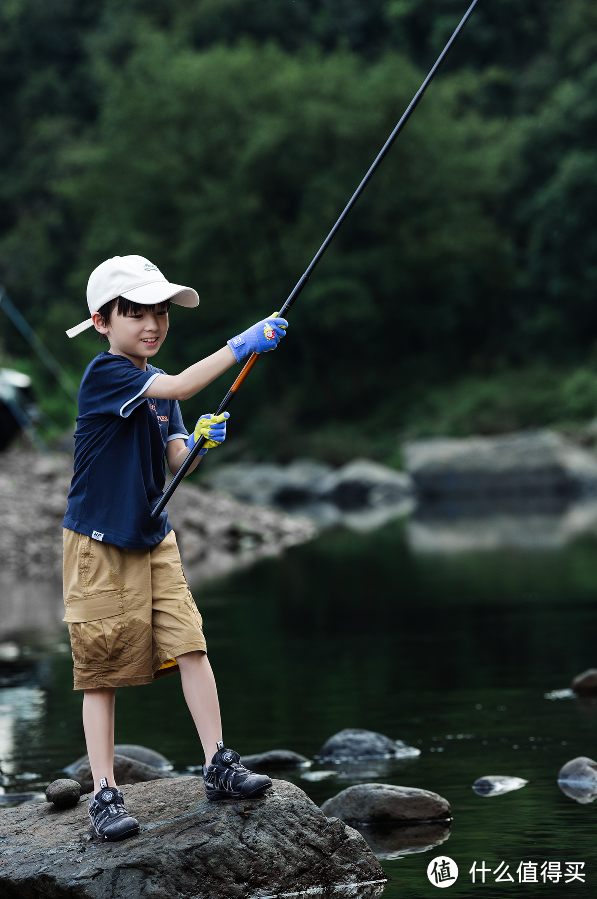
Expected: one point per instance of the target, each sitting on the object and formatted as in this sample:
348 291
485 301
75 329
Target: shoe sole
221 795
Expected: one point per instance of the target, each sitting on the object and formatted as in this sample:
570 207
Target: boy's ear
99 324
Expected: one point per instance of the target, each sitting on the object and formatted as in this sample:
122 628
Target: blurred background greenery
221 138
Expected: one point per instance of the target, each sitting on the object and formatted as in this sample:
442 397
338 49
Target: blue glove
259 338
213 428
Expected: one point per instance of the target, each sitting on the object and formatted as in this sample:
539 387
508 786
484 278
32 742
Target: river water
451 653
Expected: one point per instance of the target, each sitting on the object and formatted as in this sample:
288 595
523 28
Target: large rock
130 751
386 803
522 466
585 684
578 779
126 771
187 847
275 760
354 743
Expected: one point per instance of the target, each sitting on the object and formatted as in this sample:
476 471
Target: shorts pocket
98 630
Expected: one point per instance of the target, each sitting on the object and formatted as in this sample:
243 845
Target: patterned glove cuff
238 345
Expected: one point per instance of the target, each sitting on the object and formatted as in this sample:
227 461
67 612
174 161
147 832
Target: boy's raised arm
259 338
192 379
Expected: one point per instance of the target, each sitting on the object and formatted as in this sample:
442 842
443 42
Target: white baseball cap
135 278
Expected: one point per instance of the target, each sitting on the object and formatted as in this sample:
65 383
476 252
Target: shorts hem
180 650
99 681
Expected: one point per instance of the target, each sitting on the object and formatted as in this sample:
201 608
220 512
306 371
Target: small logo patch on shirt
97 535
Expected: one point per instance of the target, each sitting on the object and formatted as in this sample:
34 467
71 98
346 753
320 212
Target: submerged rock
386 803
354 743
64 793
585 684
578 779
126 771
388 842
130 751
275 760
281 844
495 784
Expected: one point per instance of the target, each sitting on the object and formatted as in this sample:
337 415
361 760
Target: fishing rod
317 258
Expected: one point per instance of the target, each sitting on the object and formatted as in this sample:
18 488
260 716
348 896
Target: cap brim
160 291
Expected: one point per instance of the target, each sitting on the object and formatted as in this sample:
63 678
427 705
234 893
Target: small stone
356 743
495 784
577 779
64 793
585 684
386 803
275 760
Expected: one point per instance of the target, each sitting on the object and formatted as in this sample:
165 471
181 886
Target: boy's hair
126 307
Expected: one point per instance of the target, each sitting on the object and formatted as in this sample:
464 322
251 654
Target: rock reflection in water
582 791
21 711
462 526
371 769
388 842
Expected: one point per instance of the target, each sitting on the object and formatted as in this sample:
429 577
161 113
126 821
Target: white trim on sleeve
177 437
128 407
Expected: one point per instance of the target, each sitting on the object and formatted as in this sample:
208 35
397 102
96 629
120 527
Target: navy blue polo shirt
120 442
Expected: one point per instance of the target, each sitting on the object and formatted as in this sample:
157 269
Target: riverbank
216 535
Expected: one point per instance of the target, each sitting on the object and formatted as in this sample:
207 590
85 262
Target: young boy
130 613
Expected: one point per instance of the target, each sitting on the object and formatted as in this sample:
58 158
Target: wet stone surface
187 847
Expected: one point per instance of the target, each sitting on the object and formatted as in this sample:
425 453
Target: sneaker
109 818
226 778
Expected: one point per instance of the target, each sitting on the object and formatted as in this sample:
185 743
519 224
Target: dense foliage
221 138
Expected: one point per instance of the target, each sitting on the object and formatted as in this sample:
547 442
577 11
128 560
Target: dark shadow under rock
387 841
281 844
275 760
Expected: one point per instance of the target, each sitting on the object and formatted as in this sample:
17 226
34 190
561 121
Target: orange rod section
253 359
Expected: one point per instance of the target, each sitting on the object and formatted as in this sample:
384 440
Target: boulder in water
387 804
278 845
585 684
275 760
130 751
126 771
354 743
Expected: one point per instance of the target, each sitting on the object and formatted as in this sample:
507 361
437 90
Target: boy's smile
137 336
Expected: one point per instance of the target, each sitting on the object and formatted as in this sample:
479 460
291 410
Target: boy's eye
162 312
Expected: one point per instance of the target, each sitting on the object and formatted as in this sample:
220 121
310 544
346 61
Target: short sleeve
114 386
176 428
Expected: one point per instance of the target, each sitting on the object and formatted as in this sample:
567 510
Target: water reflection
388 842
21 714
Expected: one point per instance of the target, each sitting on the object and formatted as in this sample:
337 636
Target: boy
130 613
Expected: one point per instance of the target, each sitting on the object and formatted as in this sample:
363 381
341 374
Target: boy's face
137 336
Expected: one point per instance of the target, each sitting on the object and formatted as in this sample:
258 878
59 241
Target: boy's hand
213 428
259 338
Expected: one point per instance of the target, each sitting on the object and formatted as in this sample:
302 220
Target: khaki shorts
129 611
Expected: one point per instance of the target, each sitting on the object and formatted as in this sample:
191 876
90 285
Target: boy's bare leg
98 721
199 688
